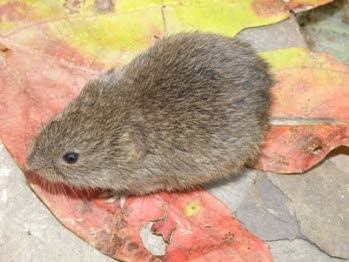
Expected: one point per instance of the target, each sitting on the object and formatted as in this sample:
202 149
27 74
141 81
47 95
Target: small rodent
191 109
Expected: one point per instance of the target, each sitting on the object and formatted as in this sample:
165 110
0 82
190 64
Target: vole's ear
132 142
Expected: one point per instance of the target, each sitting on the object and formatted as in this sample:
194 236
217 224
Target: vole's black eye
71 157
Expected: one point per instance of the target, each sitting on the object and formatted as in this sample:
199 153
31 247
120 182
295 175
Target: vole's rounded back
191 109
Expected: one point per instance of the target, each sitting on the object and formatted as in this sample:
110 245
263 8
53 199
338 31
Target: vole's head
89 144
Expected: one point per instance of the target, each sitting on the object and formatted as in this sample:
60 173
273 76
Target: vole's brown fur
191 109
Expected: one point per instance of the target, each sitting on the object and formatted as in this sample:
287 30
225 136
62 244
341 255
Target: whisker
64 191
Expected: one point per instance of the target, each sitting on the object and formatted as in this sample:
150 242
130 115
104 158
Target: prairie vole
191 109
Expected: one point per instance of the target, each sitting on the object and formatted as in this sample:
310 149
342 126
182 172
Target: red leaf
310 110
197 226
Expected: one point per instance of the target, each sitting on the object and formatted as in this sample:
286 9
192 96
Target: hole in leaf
155 244
317 150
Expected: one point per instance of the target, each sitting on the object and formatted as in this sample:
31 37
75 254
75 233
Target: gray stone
267 212
234 190
29 232
320 199
280 35
340 158
326 29
298 250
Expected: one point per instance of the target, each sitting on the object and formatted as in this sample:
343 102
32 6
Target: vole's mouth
32 167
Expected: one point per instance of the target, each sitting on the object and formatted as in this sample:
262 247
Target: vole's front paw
110 196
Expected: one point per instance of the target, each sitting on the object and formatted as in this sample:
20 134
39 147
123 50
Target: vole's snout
30 163
35 163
